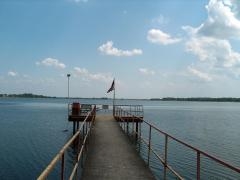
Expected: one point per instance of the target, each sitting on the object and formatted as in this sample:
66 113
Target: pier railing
79 140
133 110
121 113
84 108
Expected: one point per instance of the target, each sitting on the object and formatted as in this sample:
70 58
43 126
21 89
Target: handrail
136 110
121 113
81 105
85 126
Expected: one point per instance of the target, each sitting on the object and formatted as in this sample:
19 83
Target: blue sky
152 48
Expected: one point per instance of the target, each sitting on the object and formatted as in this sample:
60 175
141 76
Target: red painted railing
121 113
82 133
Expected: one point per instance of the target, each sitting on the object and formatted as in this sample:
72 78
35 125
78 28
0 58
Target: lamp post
68 76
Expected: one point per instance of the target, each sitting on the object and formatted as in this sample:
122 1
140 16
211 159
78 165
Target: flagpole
114 102
114 98
112 88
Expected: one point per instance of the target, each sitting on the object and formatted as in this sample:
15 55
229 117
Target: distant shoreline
199 99
30 95
24 95
193 99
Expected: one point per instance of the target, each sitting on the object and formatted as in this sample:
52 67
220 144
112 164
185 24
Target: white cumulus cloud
159 37
222 21
216 51
210 41
201 75
108 49
12 73
51 62
85 74
146 71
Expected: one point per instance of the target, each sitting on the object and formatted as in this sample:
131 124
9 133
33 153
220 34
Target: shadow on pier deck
111 155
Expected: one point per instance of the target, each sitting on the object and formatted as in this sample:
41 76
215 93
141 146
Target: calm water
31 133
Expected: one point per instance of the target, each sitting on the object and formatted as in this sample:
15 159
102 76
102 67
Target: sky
153 48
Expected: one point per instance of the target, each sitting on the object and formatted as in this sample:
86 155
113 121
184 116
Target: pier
105 147
111 155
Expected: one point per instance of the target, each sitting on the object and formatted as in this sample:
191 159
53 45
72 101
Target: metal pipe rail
85 128
199 153
81 105
136 110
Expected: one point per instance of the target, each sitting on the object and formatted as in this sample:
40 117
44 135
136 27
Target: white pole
68 75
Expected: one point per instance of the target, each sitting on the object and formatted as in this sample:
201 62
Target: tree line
221 99
25 95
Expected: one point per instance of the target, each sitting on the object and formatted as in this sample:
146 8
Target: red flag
112 87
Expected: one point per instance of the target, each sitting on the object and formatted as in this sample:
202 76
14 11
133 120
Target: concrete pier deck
111 156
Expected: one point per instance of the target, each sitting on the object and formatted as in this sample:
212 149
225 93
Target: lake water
31 133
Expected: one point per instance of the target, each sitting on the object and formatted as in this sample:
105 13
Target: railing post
132 126
165 157
149 143
140 137
198 165
86 128
62 167
83 130
74 127
120 117
127 127
136 135
125 124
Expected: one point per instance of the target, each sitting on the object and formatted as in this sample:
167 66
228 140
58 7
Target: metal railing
133 110
84 108
164 160
82 133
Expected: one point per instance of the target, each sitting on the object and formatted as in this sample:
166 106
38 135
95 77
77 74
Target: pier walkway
102 150
111 155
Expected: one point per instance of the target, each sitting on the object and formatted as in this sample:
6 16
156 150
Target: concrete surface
111 156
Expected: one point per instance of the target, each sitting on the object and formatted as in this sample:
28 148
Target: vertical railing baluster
132 125
120 111
136 130
62 167
86 128
121 118
149 143
126 121
82 137
198 165
76 174
83 131
127 127
165 157
139 137
130 109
